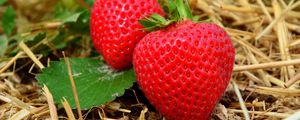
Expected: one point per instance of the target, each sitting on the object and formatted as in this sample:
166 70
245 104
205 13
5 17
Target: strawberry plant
8 23
92 78
181 65
115 29
135 60
185 67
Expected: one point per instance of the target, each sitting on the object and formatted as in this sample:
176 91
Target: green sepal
154 22
148 25
159 18
171 6
183 9
196 18
178 10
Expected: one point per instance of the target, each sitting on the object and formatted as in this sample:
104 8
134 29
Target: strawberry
115 29
184 69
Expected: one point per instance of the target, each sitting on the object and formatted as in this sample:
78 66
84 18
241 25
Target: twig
46 112
20 115
264 9
252 49
73 87
275 91
253 77
7 74
270 26
283 3
241 101
5 99
138 102
261 73
100 115
31 55
11 62
296 43
255 8
44 26
52 108
143 112
293 27
281 32
19 103
275 80
39 109
266 65
68 109
205 7
292 81
247 21
271 114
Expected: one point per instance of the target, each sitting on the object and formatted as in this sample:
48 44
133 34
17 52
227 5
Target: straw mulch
264 85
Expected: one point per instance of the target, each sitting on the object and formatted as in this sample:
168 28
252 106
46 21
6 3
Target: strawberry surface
184 69
115 29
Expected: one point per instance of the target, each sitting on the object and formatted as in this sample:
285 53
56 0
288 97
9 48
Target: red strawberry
115 29
184 69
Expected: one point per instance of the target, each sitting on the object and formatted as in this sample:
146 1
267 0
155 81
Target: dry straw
267 41
265 33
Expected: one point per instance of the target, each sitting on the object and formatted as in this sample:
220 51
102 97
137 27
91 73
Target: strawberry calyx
178 11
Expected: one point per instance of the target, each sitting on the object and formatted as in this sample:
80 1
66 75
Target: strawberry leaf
90 2
79 22
73 18
95 82
171 6
148 24
178 10
183 9
158 17
8 20
155 21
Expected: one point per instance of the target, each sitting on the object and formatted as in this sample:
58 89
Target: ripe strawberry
115 29
184 69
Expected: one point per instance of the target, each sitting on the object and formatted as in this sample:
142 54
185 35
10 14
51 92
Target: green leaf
90 2
8 20
155 21
188 10
79 22
178 10
96 83
3 45
73 18
147 23
2 2
34 38
158 18
184 9
171 5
